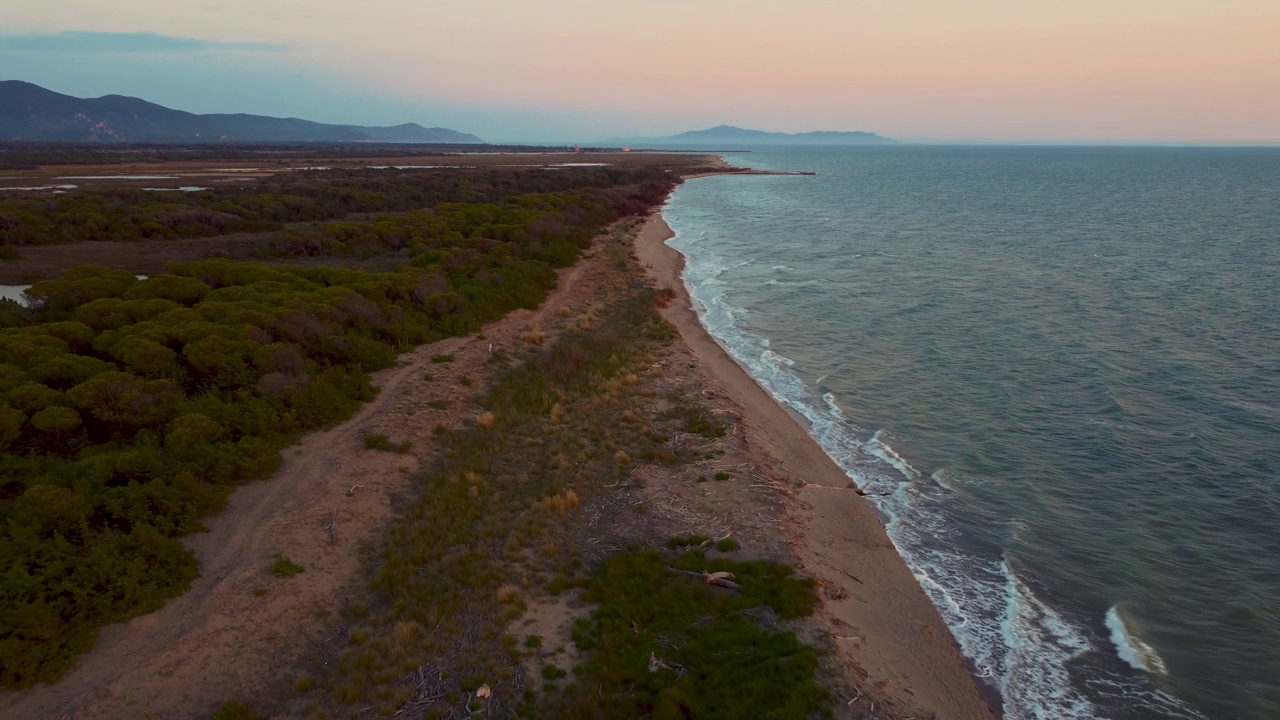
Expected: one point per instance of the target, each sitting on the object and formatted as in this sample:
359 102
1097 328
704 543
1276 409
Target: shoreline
887 633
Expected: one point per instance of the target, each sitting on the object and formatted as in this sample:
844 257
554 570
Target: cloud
75 42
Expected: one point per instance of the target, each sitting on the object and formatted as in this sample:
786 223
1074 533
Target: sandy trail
239 627
889 635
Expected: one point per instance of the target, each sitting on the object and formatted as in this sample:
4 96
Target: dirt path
239 626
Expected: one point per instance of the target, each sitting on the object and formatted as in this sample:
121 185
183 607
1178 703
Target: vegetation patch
727 545
382 442
131 408
698 420
494 519
664 643
236 710
283 567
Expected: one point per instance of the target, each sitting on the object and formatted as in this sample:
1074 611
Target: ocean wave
879 448
1131 648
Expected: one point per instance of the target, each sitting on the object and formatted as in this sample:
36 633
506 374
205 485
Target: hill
30 112
728 134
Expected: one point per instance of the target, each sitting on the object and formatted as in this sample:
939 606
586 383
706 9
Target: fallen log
719 579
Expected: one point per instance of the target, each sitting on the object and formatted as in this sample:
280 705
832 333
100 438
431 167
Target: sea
1056 371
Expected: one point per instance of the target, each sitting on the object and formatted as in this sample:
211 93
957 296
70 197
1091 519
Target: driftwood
719 579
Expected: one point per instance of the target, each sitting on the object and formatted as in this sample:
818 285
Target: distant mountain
729 135
30 112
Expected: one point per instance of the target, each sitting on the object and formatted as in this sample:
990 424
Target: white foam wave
1039 645
878 447
829 399
1131 648
943 479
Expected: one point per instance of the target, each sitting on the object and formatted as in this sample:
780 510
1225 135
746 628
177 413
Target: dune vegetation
130 408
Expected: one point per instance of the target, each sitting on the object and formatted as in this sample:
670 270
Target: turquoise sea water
1058 370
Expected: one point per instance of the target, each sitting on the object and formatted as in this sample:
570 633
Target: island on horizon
729 134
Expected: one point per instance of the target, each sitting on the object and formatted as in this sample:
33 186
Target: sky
1094 71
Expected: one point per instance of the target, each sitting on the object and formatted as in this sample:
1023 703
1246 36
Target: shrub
685 541
283 567
377 442
442 358
727 545
722 476
382 442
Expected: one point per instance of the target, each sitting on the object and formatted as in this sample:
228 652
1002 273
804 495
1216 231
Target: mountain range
30 112
730 135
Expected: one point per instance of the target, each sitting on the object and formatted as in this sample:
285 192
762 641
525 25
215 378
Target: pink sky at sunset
1177 71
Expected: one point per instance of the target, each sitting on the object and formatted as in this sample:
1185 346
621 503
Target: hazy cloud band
94 43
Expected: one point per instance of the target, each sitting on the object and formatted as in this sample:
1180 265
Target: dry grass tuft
486 420
508 594
631 379
406 632
557 413
560 503
534 336
622 457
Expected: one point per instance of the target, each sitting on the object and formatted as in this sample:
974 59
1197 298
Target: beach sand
890 638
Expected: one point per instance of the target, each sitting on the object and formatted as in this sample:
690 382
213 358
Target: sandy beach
887 633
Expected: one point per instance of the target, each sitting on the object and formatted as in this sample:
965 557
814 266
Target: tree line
126 215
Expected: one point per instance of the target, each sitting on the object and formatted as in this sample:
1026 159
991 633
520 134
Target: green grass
235 710
719 662
283 567
383 443
722 476
685 541
442 358
727 545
